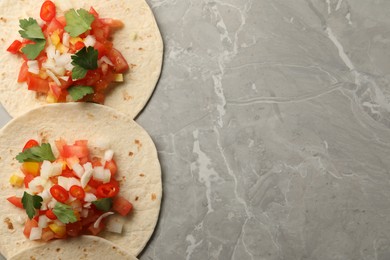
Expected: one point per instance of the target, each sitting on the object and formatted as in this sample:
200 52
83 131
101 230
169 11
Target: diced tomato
92 216
37 84
54 179
111 165
107 190
77 192
93 12
66 84
59 193
50 214
101 48
94 183
75 150
27 179
120 64
72 160
17 201
55 90
62 20
53 26
95 231
30 223
74 229
30 143
81 142
47 234
96 162
79 45
60 145
113 23
84 160
15 47
23 73
122 205
48 11
68 173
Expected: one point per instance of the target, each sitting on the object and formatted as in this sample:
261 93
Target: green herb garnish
84 60
31 203
103 204
78 22
32 31
78 92
37 154
64 213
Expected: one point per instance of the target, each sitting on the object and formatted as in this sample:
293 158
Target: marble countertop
272 123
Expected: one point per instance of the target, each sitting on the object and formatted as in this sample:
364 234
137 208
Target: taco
138 169
85 247
56 61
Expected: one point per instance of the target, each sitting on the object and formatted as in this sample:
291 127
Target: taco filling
70 195
70 56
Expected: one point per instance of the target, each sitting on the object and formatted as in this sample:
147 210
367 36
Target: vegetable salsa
70 195
70 56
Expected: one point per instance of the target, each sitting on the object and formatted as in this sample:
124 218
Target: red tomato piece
68 173
95 231
74 229
94 183
37 84
120 64
23 73
15 47
113 23
53 26
48 11
47 234
93 12
30 223
55 89
122 205
81 142
101 48
27 179
60 145
79 45
92 216
75 150
30 143
59 193
107 190
61 20
50 214
111 165
77 192
17 201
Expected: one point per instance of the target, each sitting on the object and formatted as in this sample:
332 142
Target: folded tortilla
139 41
134 152
85 247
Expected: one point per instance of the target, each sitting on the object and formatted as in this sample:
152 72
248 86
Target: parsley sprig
78 92
31 203
37 154
64 213
33 32
84 60
78 22
104 204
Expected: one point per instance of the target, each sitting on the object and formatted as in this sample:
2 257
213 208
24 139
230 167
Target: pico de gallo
70 56
70 195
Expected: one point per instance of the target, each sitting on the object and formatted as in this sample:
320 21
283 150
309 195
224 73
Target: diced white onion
33 66
46 169
64 78
89 197
101 174
76 205
57 169
108 155
97 222
115 224
50 51
21 219
84 213
63 60
87 205
53 77
89 41
85 178
66 183
52 203
69 66
87 166
78 169
36 233
42 221
105 59
36 184
65 39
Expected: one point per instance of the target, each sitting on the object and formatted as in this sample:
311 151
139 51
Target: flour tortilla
85 247
139 41
135 154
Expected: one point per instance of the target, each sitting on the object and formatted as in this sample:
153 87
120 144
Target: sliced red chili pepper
48 11
77 192
107 190
17 201
15 47
30 143
50 214
59 193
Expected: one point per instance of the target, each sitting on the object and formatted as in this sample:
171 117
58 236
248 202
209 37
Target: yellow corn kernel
62 48
74 40
51 98
43 74
30 168
55 38
58 230
118 77
16 180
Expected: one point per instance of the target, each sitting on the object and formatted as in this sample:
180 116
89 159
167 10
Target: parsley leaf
78 22
32 31
32 50
78 92
103 204
64 213
85 59
37 154
30 203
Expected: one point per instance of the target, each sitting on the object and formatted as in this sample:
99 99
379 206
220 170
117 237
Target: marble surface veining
272 123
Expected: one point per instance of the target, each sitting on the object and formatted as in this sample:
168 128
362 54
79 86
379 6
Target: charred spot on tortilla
140 49
8 221
136 198
130 154
90 115
58 249
3 19
154 196
142 175
126 96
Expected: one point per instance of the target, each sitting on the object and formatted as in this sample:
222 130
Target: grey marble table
272 122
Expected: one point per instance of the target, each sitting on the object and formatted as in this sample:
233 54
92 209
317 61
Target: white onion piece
101 174
57 169
52 203
33 66
66 183
50 51
87 166
84 213
63 60
64 78
89 197
97 222
85 178
108 155
65 39
78 169
36 233
42 221
115 224
105 59
69 66
36 184
87 205
21 219
89 41
53 77
46 169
